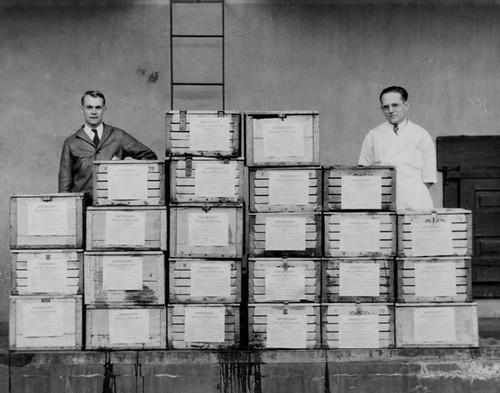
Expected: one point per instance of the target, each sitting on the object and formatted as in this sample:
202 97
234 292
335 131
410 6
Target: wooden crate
128 183
282 189
442 232
284 280
45 323
46 221
442 279
206 180
282 138
125 278
288 326
358 325
127 228
203 133
285 234
359 188
352 280
47 272
126 327
212 231
207 326
436 325
356 234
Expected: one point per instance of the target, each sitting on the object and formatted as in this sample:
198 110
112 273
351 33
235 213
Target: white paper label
282 138
125 228
209 133
215 179
43 319
434 325
358 331
47 218
285 233
128 326
204 324
127 182
281 284
286 331
211 279
359 234
121 273
430 238
47 275
435 279
288 187
361 192
359 279
208 229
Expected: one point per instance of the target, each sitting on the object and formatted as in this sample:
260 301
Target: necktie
96 138
396 129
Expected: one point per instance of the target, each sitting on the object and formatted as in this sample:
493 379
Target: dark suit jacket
79 154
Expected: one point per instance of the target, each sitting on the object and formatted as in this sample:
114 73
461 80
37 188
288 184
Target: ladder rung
196 36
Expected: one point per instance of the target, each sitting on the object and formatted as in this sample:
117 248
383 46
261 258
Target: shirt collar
90 133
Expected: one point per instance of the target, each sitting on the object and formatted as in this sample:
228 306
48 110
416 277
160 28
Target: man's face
93 110
393 107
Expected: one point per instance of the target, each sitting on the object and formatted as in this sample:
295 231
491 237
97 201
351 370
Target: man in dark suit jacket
95 141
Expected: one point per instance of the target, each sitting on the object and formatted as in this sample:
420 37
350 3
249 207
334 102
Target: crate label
431 238
47 275
434 324
211 279
204 324
43 320
286 331
359 234
285 233
281 284
435 279
127 182
359 279
288 188
125 227
121 273
128 326
209 133
215 179
47 218
282 138
208 229
361 192
359 331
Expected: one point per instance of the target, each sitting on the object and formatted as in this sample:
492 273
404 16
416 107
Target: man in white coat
407 146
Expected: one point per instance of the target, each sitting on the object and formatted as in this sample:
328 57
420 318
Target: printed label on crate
127 182
285 233
204 324
286 331
358 331
359 234
285 284
359 279
282 138
288 188
434 324
208 229
211 279
435 279
209 133
125 227
215 179
431 238
47 218
121 273
361 192
128 326
43 319
47 275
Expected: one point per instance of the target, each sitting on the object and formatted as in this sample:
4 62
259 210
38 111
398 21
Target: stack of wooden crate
434 290
206 202
285 242
124 261
358 269
47 240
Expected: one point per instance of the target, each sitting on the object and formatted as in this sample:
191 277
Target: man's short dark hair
395 89
95 94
